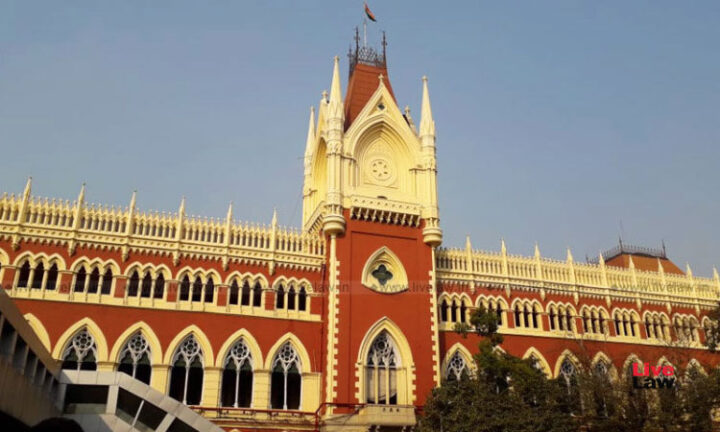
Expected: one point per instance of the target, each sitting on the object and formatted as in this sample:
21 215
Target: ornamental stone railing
176 234
500 269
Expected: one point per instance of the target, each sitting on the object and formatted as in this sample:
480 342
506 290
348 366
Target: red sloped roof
643 263
363 83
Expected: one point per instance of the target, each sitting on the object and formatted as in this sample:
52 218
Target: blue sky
561 122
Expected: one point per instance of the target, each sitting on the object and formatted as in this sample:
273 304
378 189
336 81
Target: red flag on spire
369 13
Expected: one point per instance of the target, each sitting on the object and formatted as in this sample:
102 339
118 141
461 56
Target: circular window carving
380 170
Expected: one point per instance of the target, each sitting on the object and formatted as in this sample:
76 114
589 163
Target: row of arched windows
187 370
38 277
594 319
150 284
291 299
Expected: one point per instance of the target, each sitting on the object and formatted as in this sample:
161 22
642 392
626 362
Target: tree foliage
511 394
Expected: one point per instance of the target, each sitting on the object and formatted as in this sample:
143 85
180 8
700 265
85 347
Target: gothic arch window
187 372
81 352
185 289
280 300
381 371
286 380
146 287
38 276
159 287
106 282
553 317
135 358
133 285
444 311
453 311
80 278
245 299
602 373
457 368
94 282
383 272
568 375
302 299
24 276
209 290
237 377
52 277
234 293
197 290
291 298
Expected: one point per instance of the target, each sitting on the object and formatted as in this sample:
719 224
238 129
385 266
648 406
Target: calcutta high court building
347 322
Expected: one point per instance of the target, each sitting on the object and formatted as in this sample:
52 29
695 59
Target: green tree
507 393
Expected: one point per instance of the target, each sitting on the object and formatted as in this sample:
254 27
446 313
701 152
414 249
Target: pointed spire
133 200
715 275
569 255
661 269
274 218
230 212
81 196
181 210
335 89
631 263
468 245
503 248
427 124
688 270
28 188
311 133
537 250
601 259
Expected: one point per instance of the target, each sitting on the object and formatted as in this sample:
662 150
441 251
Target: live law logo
653 377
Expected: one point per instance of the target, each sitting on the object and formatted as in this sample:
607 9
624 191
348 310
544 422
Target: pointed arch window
302 299
159 287
286 380
209 290
237 377
24 276
135 358
134 285
80 280
52 277
38 275
444 311
280 299
291 298
187 372
197 290
381 371
453 311
81 352
146 287
94 282
499 313
245 301
106 282
234 293
185 289
568 374
457 369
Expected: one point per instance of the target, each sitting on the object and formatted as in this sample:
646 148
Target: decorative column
159 377
261 389
211 386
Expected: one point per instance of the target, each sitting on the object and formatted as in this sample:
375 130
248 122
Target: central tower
370 187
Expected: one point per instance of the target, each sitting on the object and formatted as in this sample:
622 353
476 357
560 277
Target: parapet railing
76 223
473 267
